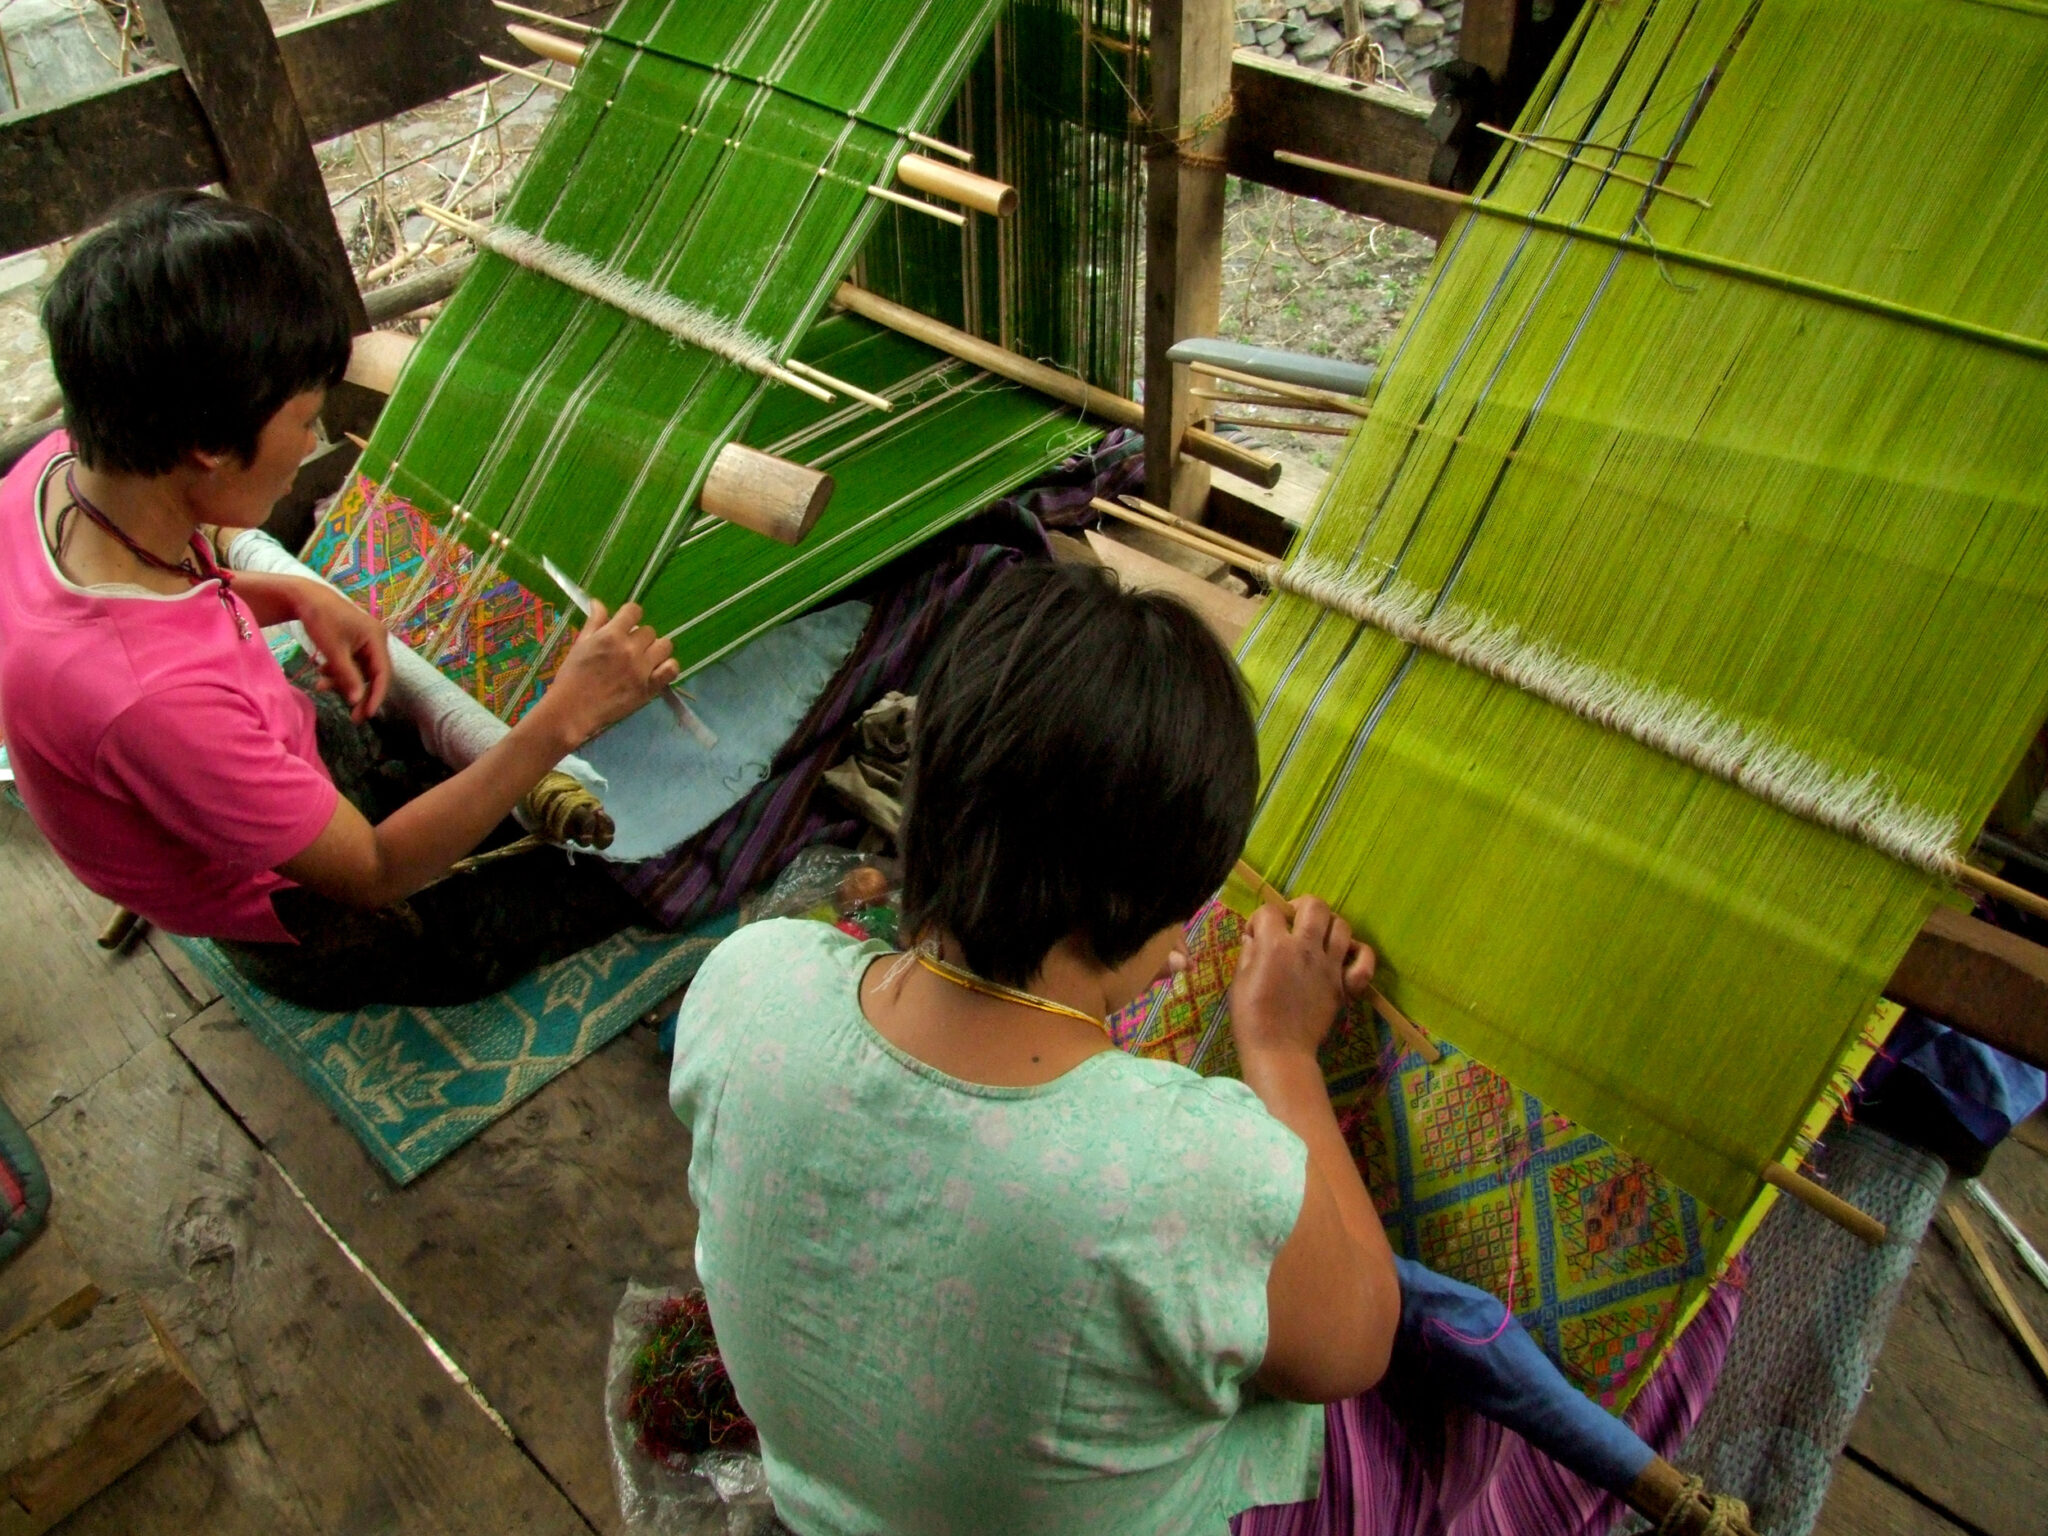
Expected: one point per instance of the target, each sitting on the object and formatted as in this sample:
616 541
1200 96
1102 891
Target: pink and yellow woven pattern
1601 1259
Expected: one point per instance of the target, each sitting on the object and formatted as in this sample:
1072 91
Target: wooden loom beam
358 66
236 74
1184 185
1990 984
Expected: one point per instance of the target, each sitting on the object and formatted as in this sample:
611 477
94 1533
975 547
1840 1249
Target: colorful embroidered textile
24 1187
1600 1258
1383 1476
414 1084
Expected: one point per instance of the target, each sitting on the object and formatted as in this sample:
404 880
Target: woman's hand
1294 978
355 655
614 667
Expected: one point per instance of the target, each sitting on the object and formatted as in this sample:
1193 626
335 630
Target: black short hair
184 324
1084 763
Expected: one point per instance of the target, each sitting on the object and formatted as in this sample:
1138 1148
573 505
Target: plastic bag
716 1493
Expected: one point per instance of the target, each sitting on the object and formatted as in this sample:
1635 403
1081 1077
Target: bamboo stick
1705 261
964 156
1404 1028
1301 394
1676 1505
1599 170
2004 890
2008 1304
922 207
1198 544
1832 1206
547 45
524 73
1318 428
819 376
548 17
1271 402
1250 551
1261 469
981 193
121 924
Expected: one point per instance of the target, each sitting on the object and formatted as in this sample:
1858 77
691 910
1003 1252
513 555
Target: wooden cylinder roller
546 44
769 495
980 193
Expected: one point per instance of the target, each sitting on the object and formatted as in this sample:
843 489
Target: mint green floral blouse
957 1308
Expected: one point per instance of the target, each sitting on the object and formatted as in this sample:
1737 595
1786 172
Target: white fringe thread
1684 728
686 322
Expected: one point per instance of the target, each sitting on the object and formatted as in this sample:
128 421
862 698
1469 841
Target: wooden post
230 57
1184 178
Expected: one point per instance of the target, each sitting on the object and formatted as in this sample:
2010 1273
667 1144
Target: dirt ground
1307 277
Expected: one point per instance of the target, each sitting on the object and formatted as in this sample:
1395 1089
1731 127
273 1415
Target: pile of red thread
677 1395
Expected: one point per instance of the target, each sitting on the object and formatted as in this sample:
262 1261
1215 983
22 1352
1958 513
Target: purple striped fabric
1384 1477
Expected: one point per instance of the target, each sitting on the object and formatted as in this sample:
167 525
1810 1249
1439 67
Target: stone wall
1414 37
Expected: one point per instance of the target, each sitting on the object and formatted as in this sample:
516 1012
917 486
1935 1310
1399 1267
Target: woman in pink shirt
155 740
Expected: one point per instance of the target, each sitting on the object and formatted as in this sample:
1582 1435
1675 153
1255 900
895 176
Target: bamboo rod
981 193
1271 402
1677 1505
547 45
2004 890
2015 1318
1261 469
1609 149
1705 261
1609 171
121 924
1199 545
1250 551
1319 428
819 376
1832 1206
925 140
933 209
1404 1028
524 73
1321 399
548 17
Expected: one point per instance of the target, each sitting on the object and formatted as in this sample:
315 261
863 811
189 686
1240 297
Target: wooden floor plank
1860 1503
1954 1413
514 1252
69 1012
353 1425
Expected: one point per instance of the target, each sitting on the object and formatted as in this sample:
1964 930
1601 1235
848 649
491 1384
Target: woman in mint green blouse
972 1269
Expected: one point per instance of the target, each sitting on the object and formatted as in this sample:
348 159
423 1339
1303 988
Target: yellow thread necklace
974 983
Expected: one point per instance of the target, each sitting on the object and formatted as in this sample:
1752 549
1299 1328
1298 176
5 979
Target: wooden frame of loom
245 105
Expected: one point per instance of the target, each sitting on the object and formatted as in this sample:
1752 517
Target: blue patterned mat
416 1083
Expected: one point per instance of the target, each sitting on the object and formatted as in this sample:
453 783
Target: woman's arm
612 670
351 644
1332 1299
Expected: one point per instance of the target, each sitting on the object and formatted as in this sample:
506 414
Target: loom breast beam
1258 468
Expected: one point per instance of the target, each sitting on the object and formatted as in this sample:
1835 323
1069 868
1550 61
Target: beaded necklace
996 989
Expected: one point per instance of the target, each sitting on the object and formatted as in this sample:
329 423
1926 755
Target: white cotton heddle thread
1695 733
686 322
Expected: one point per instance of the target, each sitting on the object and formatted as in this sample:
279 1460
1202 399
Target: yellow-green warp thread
1826 524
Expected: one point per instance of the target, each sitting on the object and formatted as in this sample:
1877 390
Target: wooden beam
1184 182
1990 984
231 60
1282 106
347 70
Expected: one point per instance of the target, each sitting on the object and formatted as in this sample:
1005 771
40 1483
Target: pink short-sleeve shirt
164 755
